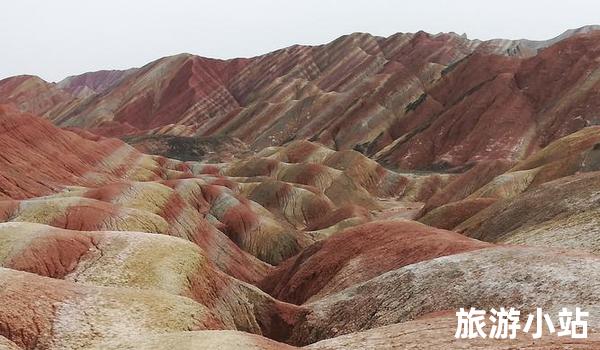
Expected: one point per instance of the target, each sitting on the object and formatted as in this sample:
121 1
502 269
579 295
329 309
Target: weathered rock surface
483 279
47 313
452 214
560 213
358 254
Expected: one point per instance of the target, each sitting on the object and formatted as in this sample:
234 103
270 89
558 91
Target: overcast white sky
54 39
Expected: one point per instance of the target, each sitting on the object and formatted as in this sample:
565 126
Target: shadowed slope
450 215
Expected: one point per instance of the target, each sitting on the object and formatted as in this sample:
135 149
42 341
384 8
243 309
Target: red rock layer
359 254
492 107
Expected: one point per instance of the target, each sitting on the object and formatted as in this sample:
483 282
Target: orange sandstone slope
39 159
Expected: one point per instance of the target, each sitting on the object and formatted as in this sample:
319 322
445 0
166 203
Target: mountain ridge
355 92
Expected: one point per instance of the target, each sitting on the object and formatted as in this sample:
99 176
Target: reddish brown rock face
466 184
451 215
491 107
32 94
359 254
51 255
271 212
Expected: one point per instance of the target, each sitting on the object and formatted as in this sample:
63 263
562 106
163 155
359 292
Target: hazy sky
57 38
